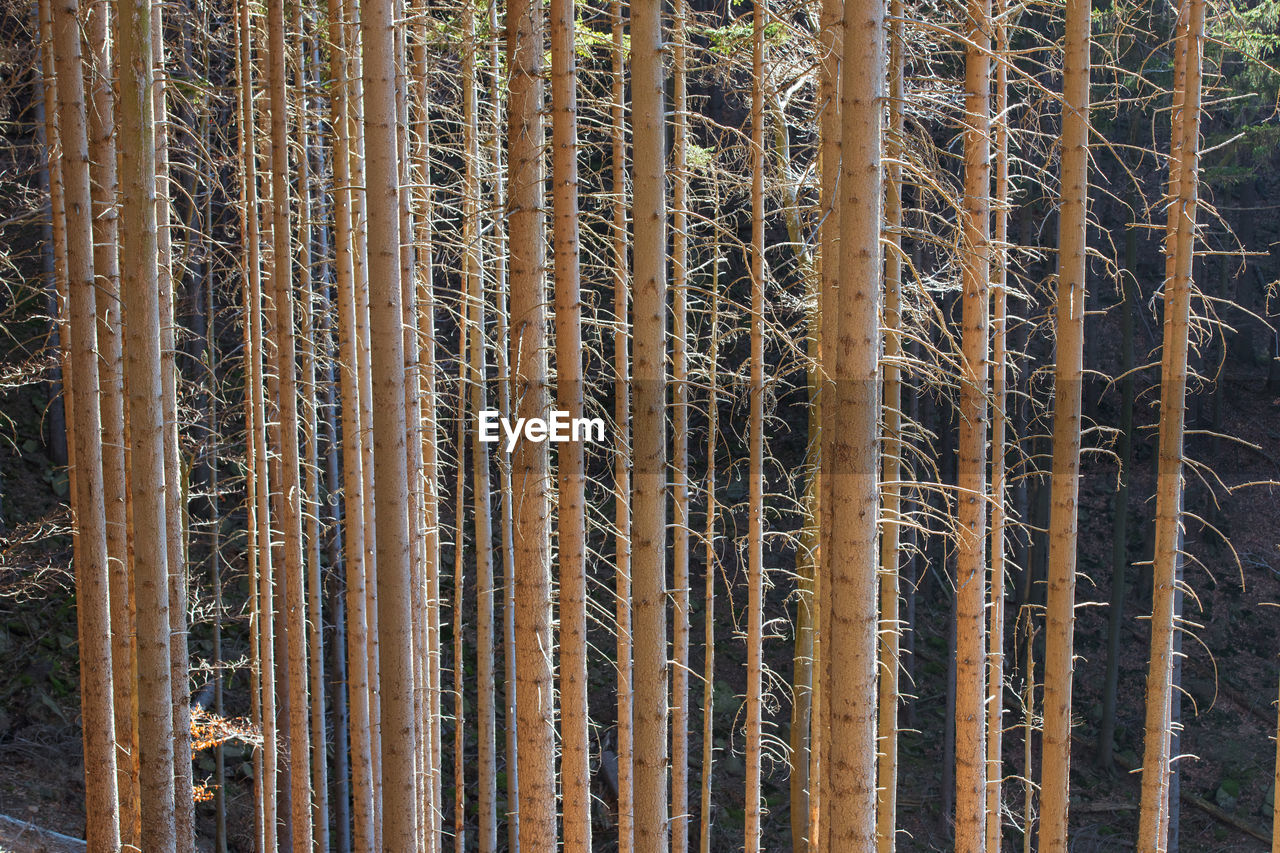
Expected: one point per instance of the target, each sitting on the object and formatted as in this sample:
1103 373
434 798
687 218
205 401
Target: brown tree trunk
1055 777
850 644
91 567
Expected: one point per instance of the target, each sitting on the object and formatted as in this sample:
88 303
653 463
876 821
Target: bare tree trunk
477 382
352 461
831 48
649 445
851 649
999 428
308 341
93 615
1153 817
257 482
1055 776
971 494
890 534
395 655
104 190
175 491
755 441
575 776
680 432
293 572
622 439
709 542
502 353
531 466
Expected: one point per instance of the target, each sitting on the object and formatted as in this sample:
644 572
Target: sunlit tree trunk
1153 817
680 530
831 47
1055 779
175 486
622 438
91 567
531 470
649 444
502 359
755 441
102 167
575 778
310 454
395 660
999 428
293 572
850 647
971 495
890 534
477 389
257 485
352 463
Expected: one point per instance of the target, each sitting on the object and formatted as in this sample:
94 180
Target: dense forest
701 425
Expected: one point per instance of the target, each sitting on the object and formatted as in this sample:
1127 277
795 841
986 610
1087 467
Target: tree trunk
755 443
141 285
622 439
649 444
352 461
971 492
93 617
391 477
890 534
531 469
999 429
1055 776
850 645
575 776
1180 249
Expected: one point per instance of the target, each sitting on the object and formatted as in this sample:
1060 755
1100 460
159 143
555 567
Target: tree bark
1055 776
850 644
93 617
1153 816
531 467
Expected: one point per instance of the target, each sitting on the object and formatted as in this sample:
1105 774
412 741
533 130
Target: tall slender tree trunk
258 486
352 462
1153 817
93 616
176 490
622 439
649 443
310 451
142 286
755 441
709 540
680 530
890 534
575 775
502 359
1055 776
391 477
831 38
293 572
971 551
477 383
531 467
849 810
999 428
104 190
